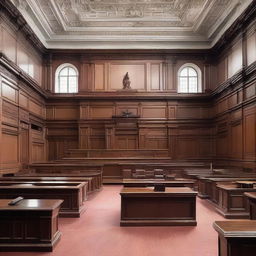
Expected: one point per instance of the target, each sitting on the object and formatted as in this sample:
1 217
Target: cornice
20 23
236 30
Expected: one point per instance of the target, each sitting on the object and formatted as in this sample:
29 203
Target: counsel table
30 225
236 238
145 207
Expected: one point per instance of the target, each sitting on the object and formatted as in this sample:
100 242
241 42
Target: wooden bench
48 183
89 188
71 194
207 185
232 202
96 176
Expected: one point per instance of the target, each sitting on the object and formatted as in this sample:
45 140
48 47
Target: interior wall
16 48
22 110
37 125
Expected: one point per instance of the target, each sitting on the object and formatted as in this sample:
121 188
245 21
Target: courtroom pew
232 201
205 186
236 238
96 176
212 189
48 183
38 232
91 187
71 194
112 168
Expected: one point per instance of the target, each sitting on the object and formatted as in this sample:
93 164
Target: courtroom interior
127 127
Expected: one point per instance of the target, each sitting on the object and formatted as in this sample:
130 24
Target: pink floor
97 233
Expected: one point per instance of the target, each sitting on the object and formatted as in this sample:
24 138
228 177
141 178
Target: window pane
63 87
71 72
64 72
192 84
72 84
183 84
184 72
192 72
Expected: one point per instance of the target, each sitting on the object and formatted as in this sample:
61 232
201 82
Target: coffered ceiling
130 24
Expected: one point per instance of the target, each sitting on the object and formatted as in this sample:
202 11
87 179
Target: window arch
189 79
66 79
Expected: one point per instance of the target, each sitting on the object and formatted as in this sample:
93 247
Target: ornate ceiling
130 24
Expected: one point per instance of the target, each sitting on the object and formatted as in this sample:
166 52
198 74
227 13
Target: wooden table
252 204
30 225
236 238
145 207
71 194
151 182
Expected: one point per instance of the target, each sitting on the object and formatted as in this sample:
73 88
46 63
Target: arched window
66 79
189 79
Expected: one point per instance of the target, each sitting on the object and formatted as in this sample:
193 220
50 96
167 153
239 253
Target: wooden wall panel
251 46
154 110
66 113
249 135
23 100
36 108
235 59
9 44
10 149
101 111
17 49
191 112
38 154
9 91
99 77
156 75
9 113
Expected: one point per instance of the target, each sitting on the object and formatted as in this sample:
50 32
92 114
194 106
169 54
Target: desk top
30 204
40 185
150 191
250 194
234 187
243 228
232 179
157 181
38 178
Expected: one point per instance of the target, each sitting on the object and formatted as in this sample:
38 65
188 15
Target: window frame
199 78
57 78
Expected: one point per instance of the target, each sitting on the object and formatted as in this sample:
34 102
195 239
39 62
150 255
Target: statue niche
126 82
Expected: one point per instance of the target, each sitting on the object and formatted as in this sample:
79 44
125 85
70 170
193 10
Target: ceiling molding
151 24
